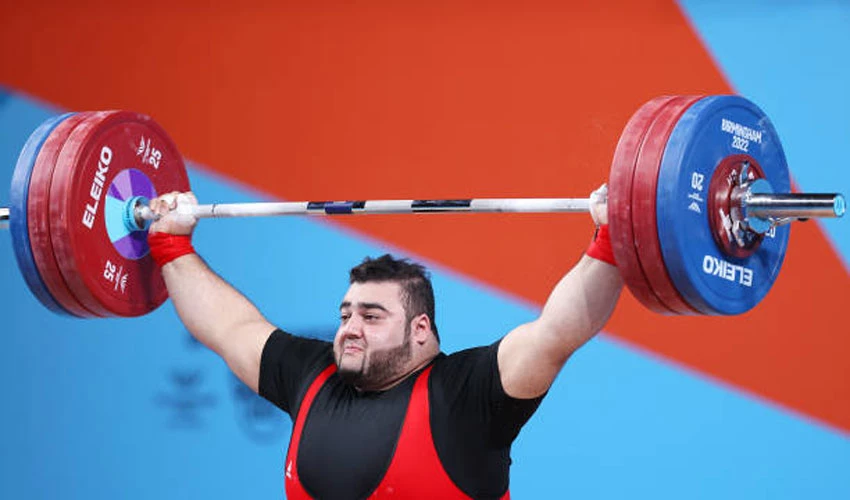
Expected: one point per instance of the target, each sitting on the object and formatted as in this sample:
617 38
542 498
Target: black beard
384 366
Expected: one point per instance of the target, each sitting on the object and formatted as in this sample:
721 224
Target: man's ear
420 328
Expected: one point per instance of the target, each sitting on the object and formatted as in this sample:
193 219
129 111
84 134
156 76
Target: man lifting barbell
699 207
381 411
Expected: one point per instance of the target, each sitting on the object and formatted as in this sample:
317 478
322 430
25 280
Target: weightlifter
382 411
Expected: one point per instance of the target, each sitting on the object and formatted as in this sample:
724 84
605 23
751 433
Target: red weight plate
644 195
620 211
38 223
108 159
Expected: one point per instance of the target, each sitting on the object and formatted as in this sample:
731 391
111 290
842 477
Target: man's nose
353 327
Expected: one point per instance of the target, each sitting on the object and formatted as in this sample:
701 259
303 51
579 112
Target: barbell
699 206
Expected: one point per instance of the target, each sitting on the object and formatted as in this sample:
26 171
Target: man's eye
371 317
344 317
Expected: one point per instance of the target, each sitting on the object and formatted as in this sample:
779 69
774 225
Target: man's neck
387 385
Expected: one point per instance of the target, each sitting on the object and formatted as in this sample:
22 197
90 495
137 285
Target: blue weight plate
709 131
18 220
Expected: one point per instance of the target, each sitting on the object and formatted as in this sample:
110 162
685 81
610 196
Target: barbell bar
775 209
798 206
794 206
699 205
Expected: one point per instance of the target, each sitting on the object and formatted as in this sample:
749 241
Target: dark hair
417 294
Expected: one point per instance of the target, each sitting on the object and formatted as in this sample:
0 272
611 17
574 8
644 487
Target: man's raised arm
531 355
211 309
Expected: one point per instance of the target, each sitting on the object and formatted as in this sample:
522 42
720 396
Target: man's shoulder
296 351
483 351
283 339
287 366
454 368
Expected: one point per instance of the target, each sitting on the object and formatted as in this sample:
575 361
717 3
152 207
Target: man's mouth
351 349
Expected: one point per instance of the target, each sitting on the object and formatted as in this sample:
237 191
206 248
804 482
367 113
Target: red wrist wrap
167 247
600 247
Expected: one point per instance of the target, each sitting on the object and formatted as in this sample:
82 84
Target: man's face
372 345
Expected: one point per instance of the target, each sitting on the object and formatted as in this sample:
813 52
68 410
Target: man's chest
349 440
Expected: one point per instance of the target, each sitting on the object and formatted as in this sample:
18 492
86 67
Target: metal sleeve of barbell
795 205
481 205
4 218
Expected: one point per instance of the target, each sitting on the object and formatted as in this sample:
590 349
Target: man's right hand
172 221
599 205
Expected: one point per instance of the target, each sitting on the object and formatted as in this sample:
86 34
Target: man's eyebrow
363 305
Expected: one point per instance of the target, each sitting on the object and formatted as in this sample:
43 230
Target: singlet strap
294 488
